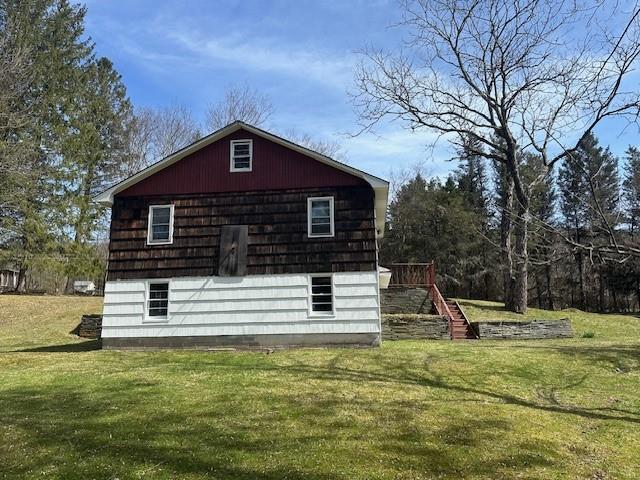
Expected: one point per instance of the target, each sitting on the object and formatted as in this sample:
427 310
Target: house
8 279
244 239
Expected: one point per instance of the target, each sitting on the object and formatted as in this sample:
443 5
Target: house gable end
274 167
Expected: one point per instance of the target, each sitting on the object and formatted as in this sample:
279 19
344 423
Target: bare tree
239 103
328 148
517 75
157 133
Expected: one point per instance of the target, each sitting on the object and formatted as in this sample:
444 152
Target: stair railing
438 300
441 306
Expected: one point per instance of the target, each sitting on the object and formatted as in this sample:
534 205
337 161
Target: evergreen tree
631 189
429 220
473 183
589 195
71 137
542 246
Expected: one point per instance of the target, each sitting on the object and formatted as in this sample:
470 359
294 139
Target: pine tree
631 189
589 194
71 136
543 198
473 183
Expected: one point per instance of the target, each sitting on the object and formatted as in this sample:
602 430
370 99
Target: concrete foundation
244 342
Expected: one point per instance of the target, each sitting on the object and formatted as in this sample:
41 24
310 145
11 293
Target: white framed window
241 153
320 217
160 229
321 294
157 302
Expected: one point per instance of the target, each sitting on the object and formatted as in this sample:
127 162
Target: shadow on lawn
114 431
69 347
120 427
622 357
603 413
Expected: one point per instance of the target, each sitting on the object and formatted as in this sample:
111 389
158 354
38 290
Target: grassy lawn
565 409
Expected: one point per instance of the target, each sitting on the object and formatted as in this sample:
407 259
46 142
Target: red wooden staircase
459 325
424 274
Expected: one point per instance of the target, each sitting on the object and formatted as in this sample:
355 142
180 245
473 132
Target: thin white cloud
328 69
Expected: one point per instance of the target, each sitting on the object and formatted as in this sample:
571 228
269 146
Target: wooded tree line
68 130
459 223
522 84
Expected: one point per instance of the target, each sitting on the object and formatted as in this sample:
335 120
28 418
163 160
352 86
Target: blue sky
299 53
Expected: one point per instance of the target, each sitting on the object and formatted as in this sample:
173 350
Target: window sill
151 244
321 236
317 316
155 320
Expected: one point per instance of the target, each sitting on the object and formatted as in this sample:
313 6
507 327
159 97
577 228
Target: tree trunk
539 292
520 290
21 284
583 292
549 291
506 228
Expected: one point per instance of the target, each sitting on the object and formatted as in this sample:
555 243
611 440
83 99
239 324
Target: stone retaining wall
407 327
534 329
90 327
405 300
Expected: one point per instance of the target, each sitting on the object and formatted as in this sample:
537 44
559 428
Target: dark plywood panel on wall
276 242
232 261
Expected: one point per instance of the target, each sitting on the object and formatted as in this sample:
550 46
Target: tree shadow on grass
396 373
114 431
110 433
68 348
623 357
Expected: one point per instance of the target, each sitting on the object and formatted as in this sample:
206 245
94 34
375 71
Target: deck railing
421 275
412 274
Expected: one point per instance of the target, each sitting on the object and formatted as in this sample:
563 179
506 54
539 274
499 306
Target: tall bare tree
239 103
518 75
156 133
329 148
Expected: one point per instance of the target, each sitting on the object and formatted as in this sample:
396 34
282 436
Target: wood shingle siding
277 233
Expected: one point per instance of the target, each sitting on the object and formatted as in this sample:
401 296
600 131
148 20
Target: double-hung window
157 301
160 225
320 217
321 295
241 155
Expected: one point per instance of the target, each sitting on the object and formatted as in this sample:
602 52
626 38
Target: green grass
557 409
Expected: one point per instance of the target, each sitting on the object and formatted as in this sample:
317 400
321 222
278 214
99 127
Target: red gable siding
274 167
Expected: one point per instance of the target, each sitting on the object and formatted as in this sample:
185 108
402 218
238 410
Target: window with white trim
241 155
160 225
321 295
320 217
157 300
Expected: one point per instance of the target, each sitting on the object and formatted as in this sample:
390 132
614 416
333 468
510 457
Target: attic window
241 155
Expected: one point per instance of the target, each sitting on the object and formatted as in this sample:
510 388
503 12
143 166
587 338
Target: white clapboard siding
179 296
130 286
254 305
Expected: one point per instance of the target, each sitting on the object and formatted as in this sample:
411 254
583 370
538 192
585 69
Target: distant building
8 279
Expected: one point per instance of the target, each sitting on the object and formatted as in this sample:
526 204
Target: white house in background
244 239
